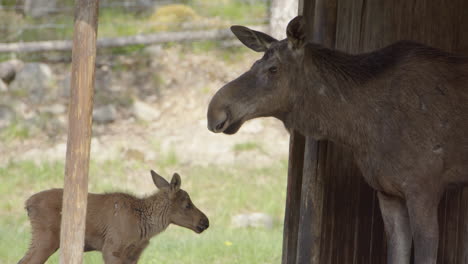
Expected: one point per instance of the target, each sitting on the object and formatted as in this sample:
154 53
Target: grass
246 146
15 130
220 192
114 22
232 10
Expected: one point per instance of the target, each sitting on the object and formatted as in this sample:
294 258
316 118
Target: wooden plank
463 242
310 222
79 132
324 26
293 198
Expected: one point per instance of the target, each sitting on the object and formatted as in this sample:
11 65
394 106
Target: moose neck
154 214
325 105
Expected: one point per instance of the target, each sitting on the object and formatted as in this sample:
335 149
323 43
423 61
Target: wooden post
293 192
293 198
79 132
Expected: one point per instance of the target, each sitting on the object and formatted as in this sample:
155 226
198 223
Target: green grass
246 146
115 22
232 10
15 130
220 192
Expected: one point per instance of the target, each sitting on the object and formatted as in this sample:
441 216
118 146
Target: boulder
9 69
7 116
144 111
252 220
3 86
105 114
39 8
65 86
35 81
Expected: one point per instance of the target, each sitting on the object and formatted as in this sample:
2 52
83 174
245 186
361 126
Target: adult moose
403 110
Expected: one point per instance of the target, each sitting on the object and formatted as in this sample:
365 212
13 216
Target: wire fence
31 21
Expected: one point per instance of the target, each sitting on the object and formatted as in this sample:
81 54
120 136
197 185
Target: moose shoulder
403 110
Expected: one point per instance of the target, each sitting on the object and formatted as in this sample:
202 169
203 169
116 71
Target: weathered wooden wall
338 216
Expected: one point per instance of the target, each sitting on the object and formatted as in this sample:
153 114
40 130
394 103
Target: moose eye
273 69
188 206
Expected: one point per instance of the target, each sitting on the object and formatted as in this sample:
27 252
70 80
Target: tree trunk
281 12
75 193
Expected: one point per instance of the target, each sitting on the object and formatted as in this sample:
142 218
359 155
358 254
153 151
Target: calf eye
188 206
273 69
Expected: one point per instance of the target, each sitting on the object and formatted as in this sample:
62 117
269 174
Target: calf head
182 211
267 89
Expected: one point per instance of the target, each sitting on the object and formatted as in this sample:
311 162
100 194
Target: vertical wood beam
293 198
324 25
293 192
310 223
79 132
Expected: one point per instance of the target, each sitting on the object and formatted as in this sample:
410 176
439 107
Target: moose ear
175 182
159 181
255 40
296 32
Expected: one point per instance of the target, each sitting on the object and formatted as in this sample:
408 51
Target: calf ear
175 182
296 33
159 181
255 40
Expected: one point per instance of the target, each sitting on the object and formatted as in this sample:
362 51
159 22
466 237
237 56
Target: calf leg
425 229
133 254
44 244
397 229
112 253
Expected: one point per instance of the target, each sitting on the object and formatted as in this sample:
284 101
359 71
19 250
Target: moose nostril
220 125
205 223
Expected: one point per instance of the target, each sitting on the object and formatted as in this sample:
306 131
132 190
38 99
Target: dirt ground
185 82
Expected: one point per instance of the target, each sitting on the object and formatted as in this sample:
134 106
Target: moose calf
402 109
117 224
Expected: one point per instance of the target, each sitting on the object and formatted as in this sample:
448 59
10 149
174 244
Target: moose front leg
397 229
133 252
422 210
112 252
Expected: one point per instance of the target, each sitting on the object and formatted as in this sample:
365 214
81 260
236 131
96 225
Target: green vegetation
232 10
15 130
172 17
247 146
220 192
114 22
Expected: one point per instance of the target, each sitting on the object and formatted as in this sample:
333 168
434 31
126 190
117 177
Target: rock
34 81
39 8
252 220
9 69
241 220
7 115
261 220
3 86
144 111
103 80
153 50
105 114
65 86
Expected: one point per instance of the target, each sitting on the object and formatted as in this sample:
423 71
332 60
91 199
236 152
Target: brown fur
403 110
117 224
